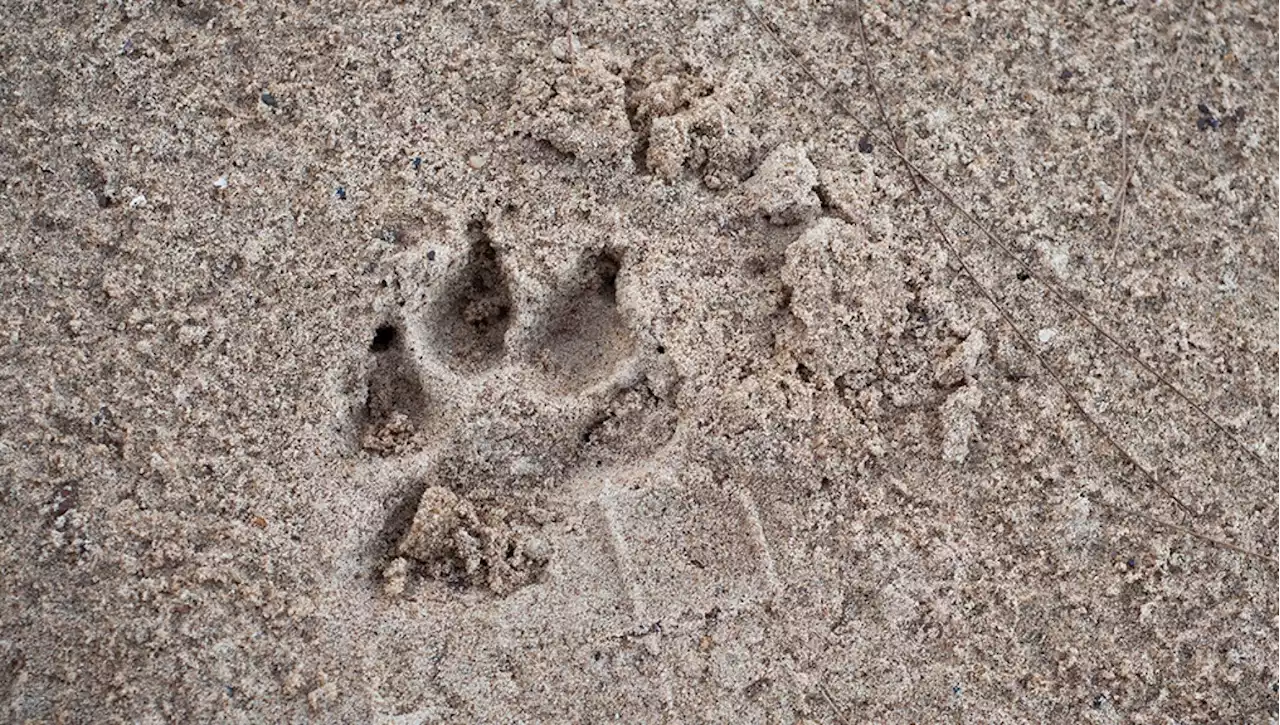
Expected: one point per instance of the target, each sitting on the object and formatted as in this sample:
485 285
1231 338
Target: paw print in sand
500 383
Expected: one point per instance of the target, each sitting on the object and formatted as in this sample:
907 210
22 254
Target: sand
414 363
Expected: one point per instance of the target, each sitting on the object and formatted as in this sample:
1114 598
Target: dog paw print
502 383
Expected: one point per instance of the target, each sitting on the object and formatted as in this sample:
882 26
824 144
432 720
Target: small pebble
268 99
865 145
1207 119
221 182
340 192
417 162
476 161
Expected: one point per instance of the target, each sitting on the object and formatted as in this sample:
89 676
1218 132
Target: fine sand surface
412 363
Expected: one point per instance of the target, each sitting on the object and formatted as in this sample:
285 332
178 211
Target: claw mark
752 515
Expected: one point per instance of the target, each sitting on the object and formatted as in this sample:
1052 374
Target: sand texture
415 363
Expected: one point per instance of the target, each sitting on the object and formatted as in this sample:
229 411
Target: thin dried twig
1126 173
1153 521
1126 176
568 22
822 688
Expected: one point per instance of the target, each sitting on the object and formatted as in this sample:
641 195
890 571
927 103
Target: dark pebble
1204 108
268 99
865 145
417 162
340 192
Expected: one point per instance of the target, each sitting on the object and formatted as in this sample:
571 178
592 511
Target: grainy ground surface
404 363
